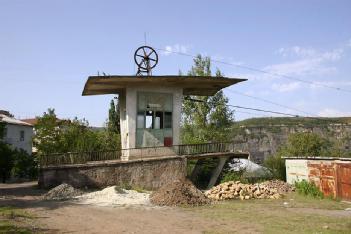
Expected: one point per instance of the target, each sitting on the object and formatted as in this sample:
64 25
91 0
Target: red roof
30 121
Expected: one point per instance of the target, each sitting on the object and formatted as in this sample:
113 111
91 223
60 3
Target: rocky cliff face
263 140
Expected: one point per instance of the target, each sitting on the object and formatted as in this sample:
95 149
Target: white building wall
128 108
296 170
13 137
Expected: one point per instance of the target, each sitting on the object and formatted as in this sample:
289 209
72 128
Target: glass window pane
149 119
140 119
21 135
168 120
159 120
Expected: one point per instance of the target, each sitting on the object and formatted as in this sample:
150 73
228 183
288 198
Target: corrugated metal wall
333 177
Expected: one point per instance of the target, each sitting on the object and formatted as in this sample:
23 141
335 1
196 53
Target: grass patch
8 227
308 189
11 220
12 212
300 215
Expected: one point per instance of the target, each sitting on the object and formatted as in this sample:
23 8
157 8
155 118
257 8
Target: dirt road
301 215
67 217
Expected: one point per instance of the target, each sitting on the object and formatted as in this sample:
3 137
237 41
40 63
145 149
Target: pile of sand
179 192
62 192
113 196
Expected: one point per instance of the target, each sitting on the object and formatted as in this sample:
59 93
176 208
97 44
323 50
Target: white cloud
307 61
329 112
297 51
288 87
177 48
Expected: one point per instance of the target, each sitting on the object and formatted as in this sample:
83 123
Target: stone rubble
62 192
273 189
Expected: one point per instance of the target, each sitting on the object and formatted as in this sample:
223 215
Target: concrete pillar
216 172
197 169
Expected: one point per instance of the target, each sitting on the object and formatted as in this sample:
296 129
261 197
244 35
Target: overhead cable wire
270 102
262 71
246 108
250 113
261 110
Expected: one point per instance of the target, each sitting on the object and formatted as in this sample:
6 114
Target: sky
49 48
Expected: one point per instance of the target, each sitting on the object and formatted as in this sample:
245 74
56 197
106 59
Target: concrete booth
150 107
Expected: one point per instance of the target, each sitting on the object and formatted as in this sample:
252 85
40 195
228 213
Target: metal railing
206 148
78 157
135 153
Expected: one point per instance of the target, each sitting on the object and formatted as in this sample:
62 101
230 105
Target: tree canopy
209 118
59 136
113 124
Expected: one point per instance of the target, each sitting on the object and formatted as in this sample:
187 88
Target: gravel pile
113 196
179 192
62 192
236 190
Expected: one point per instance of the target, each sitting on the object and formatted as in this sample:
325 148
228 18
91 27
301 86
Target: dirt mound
179 192
62 192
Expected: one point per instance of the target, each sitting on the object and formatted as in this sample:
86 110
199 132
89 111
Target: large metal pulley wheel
145 58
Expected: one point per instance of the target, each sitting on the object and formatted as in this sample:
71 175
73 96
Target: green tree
6 161
2 130
113 124
298 144
305 144
47 133
76 136
209 118
276 165
61 136
24 165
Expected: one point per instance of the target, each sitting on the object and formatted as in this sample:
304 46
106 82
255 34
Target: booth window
149 123
140 119
158 120
168 120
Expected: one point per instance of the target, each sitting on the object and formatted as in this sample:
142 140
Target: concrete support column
197 169
216 172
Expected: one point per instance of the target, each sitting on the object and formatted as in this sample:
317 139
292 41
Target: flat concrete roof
192 85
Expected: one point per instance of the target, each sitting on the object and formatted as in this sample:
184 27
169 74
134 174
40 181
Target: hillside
288 121
262 137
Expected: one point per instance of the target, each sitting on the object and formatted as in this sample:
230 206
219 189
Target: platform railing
135 153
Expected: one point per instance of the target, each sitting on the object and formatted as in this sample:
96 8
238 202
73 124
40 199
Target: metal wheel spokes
146 58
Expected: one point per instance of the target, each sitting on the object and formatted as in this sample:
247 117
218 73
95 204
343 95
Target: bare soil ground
300 215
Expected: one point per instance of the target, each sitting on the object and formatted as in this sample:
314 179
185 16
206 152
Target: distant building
17 133
32 121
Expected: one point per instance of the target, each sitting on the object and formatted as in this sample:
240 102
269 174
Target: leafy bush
25 165
305 144
60 136
6 161
234 176
276 165
16 163
308 189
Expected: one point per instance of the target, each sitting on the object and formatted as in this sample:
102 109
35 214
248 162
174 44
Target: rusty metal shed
331 175
192 85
